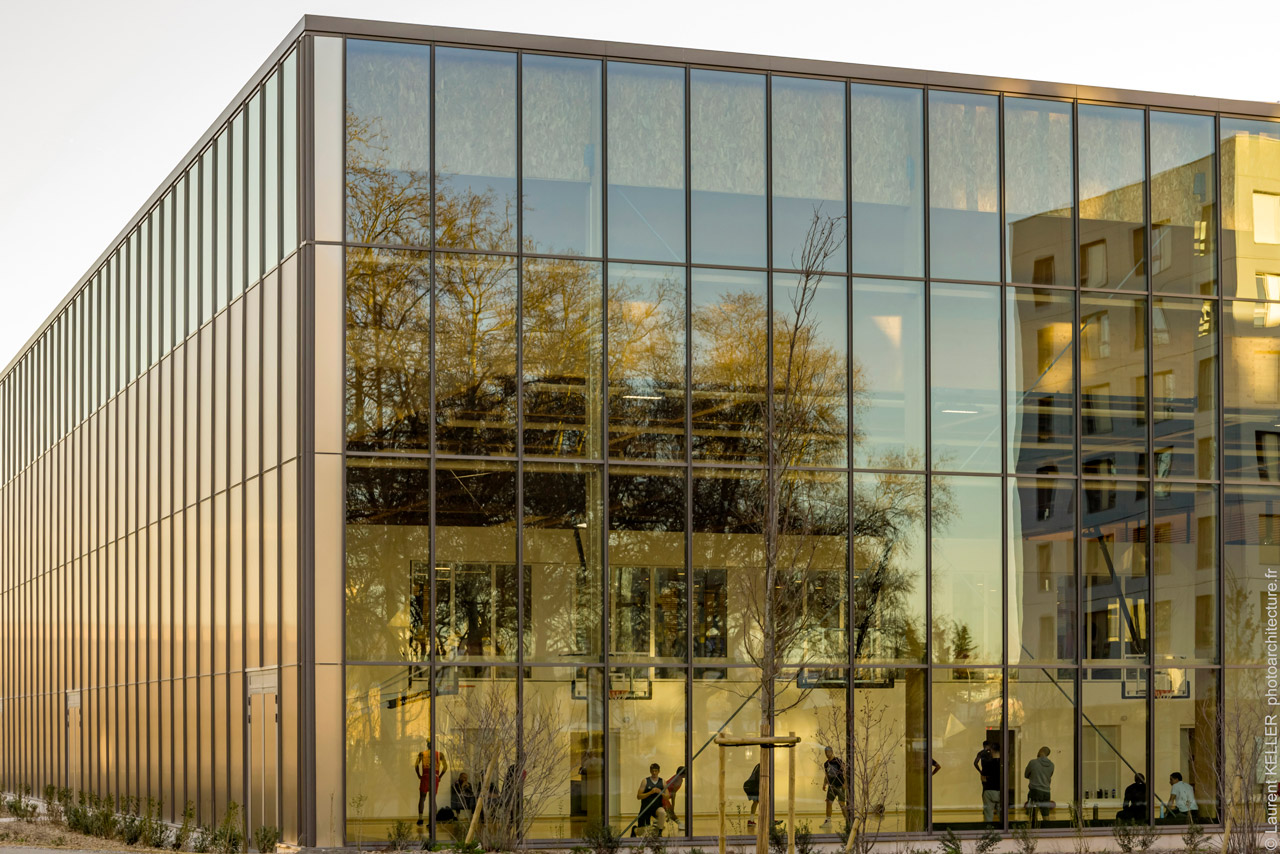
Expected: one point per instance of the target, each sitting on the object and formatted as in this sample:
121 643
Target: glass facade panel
562 344
886 370
388 121
886 227
968 713
647 728
887 530
964 186
727 133
728 567
1184 385
808 163
1042 571
1113 385
1251 553
648 582
563 568
1113 746
1249 159
1040 746
725 702
476 590
1251 391
564 709
966 515
475 354
388 363
729 352
1040 380
1184 562
561 150
1113 243
1115 539
646 362
1038 192
475 179
646 162
1183 201
810 369
964 377
1186 746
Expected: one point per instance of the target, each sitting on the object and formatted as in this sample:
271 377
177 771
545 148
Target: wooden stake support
769 741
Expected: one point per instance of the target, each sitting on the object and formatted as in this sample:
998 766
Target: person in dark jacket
1135 801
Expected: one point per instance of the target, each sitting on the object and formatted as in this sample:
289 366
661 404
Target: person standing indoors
429 766
990 772
833 784
650 796
1039 776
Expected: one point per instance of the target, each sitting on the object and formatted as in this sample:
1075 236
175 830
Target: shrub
804 840
987 843
1194 841
131 828
203 840
398 837
183 834
602 838
654 842
951 844
229 837
1022 837
266 837
103 821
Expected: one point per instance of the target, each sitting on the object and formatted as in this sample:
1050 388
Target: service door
262 709
74 780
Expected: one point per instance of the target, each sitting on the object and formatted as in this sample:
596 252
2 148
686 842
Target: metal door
262 728
73 775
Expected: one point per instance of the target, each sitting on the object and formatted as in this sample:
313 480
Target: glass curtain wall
674 411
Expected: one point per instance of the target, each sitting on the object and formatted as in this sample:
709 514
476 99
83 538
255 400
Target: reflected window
475 113
561 154
964 226
808 169
646 162
1112 203
886 132
727 167
388 142
886 370
1038 191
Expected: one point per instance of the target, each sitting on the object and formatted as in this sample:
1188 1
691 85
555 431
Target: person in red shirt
428 776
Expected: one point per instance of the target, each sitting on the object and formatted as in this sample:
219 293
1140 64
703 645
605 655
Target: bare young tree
867 741
518 755
1244 802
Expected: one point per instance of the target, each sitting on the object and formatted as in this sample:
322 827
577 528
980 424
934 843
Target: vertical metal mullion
432 471
606 569
850 569
691 584
771 475
1219 475
1077 459
1149 457
1006 479
928 466
519 437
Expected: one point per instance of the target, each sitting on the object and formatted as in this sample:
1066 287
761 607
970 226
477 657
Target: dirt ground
43 834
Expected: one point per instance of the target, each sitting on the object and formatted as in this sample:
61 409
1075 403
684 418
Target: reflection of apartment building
458 371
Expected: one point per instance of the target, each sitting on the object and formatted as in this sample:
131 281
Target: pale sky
105 98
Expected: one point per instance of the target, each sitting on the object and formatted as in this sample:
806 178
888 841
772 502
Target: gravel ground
22 836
